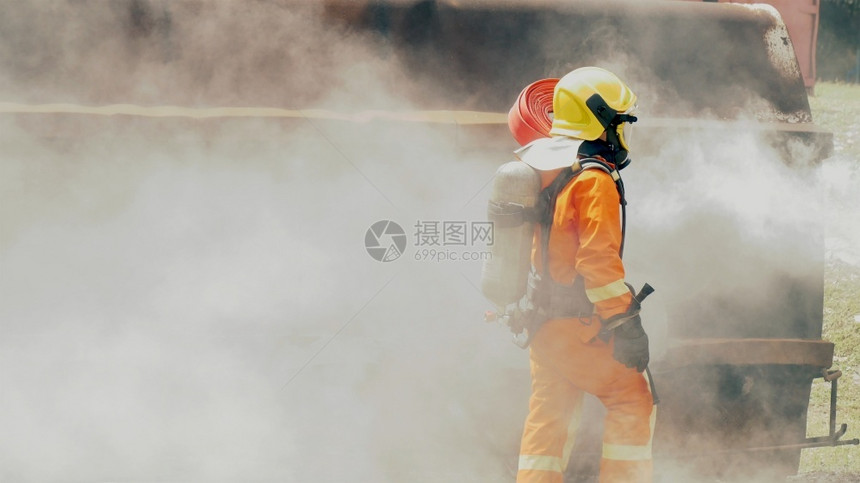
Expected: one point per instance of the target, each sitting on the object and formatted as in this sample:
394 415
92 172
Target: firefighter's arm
596 210
598 260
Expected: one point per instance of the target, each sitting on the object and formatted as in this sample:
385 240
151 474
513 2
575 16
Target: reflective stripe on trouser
550 429
562 368
627 462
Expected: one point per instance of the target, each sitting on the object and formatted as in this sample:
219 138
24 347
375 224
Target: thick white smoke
193 300
840 175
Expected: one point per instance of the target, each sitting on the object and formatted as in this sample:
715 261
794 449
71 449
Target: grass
841 306
836 107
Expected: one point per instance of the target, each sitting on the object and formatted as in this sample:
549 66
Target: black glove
631 344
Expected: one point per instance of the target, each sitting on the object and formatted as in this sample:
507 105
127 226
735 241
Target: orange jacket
585 239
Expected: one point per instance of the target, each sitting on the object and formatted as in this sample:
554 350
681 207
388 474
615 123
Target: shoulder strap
548 196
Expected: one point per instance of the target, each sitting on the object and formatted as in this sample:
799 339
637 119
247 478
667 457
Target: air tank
511 210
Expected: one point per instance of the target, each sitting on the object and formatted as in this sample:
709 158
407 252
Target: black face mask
610 119
611 151
620 155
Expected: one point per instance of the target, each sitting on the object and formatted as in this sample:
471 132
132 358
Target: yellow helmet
587 101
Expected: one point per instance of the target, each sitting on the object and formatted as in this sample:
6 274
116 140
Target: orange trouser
566 362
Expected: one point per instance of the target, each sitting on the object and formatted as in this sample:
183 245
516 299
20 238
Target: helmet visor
625 130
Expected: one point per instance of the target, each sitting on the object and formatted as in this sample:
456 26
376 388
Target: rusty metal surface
815 353
734 403
715 412
801 19
740 352
689 60
705 59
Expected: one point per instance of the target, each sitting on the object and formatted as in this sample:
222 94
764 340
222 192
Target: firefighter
578 282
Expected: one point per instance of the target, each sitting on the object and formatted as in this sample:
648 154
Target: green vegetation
839 41
841 306
836 107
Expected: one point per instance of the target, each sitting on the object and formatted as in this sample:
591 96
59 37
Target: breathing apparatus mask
617 134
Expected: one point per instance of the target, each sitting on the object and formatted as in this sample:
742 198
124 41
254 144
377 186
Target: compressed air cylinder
511 210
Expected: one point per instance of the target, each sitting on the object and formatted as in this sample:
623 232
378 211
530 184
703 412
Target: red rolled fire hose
530 117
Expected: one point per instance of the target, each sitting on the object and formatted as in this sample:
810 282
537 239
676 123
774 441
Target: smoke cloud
191 299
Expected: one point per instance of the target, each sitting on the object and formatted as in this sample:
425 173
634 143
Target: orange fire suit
568 359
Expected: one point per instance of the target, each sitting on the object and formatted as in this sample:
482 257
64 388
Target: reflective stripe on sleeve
606 292
626 452
540 462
